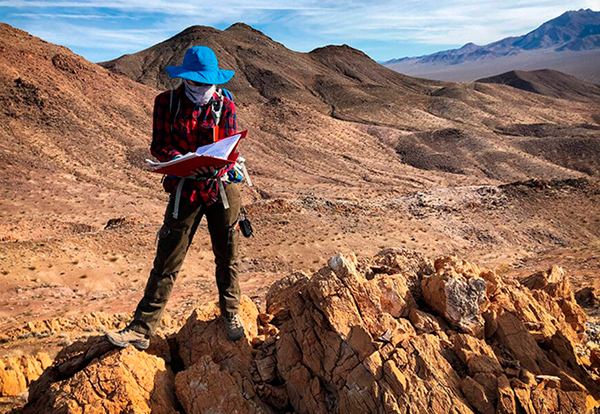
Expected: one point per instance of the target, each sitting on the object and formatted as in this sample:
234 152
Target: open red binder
217 154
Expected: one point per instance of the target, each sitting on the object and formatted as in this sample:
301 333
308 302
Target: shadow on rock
98 375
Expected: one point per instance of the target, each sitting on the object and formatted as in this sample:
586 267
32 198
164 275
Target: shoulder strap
171 116
217 108
227 94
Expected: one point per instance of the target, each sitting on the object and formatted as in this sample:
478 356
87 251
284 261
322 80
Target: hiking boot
234 327
126 337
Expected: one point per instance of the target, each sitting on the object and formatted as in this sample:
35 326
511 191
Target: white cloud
430 22
162 6
37 16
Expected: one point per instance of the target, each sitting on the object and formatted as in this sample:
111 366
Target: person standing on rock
184 119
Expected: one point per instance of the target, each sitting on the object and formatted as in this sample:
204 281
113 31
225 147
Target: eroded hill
73 136
331 123
549 83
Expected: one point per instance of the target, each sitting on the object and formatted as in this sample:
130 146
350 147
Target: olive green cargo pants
174 240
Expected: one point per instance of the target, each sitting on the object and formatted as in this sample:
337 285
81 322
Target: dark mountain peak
574 17
247 34
239 26
196 29
558 32
576 30
338 50
580 13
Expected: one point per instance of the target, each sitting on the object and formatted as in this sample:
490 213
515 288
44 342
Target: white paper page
220 149
187 156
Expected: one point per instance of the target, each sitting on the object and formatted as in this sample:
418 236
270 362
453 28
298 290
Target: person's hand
205 170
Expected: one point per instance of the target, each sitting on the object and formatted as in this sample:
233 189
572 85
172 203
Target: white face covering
200 95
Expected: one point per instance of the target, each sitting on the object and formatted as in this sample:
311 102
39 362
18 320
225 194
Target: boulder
205 388
476 354
16 373
121 381
457 293
409 264
475 395
219 374
555 283
204 334
587 298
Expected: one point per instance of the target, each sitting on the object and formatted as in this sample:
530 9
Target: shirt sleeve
162 140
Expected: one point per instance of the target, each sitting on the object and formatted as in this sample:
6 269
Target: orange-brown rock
16 373
121 381
204 334
218 373
95 321
476 396
506 397
477 354
281 289
556 284
333 334
587 298
423 321
411 265
205 388
352 339
458 293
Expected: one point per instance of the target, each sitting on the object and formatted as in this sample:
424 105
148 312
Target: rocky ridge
393 333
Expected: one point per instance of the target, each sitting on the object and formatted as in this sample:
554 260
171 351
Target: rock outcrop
395 333
16 373
94 377
119 382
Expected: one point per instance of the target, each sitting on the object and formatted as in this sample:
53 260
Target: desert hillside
410 122
73 136
331 123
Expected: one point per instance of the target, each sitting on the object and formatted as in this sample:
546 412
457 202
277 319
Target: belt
220 186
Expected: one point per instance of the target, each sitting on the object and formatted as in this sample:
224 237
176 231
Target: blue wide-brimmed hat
200 65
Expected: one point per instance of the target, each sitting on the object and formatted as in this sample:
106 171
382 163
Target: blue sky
103 30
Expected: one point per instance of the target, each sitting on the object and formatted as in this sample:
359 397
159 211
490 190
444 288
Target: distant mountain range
569 43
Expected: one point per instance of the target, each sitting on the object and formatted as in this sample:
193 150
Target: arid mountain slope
393 333
333 79
346 156
549 83
347 85
331 123
72 137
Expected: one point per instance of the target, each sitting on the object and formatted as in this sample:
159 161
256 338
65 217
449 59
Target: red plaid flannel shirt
192 128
